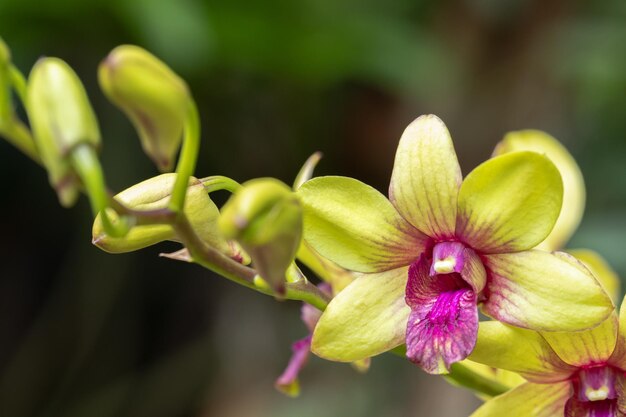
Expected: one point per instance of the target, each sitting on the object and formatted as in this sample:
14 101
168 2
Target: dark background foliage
83 333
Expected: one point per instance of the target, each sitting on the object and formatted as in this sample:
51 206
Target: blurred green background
83 333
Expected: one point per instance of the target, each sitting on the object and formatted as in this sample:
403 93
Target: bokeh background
84 333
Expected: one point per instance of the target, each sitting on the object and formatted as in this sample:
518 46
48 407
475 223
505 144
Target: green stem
217 262
462 376
188 157
218 182
19 136
19 83
214 260
87 166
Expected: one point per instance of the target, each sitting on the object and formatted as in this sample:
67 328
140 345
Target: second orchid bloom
441 248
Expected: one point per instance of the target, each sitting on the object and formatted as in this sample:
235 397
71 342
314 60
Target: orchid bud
265 217
153 194
154 98
61 118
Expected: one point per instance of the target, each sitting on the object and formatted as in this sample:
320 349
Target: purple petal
443 323
311 315
288 381
605 408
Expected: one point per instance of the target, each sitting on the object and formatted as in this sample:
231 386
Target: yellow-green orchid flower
571 374
439 248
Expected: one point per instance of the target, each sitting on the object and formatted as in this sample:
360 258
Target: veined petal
618 358
586 347
544 291
426 177
442 327
355 226
573 183
509 203
600 269
518 350
528 400
365 319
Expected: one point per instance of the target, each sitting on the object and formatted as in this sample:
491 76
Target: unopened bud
153 194
265 217
61 118
153 97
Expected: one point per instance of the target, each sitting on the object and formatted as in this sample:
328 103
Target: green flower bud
61 118
153 194
265 217
153 97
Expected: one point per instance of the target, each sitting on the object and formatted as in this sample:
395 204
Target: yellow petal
367 318
355 226
518 350
509 203
544 291
601 269
586 347
573 183
528 400
426 177
619 354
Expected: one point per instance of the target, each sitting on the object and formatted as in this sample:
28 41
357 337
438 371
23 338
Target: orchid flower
440 248
572 374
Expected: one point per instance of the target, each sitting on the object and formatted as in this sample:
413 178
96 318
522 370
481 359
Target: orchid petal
605 408
355 226
509 203
288 383
573 183
544 291
365 319
600 269
426 177
536 400
618 358
442 327
518 350
589 346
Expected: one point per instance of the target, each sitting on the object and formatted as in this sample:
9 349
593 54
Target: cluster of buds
410 273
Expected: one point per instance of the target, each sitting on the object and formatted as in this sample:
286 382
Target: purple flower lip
443 323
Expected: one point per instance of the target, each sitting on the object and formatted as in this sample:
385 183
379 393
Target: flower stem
218 182
20 137
188 157
462 376
87 166
212 259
